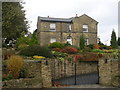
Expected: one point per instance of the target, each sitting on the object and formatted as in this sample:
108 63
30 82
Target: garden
14 64
28 48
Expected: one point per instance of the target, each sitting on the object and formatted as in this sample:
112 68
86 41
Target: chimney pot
76 15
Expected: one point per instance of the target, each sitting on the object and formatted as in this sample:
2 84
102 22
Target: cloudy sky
104 11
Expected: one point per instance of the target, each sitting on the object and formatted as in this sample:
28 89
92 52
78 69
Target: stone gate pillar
109 71
46 74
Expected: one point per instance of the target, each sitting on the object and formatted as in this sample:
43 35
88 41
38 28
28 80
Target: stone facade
63 32
109 71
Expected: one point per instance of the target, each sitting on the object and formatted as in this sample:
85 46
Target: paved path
90 86
81 79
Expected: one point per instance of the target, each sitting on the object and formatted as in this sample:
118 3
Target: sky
103 11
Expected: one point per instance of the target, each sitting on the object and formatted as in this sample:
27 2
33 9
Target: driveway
83 79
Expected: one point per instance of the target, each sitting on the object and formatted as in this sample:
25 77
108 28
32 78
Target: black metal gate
79 75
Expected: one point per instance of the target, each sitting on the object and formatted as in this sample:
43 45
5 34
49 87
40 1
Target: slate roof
67 20
49 19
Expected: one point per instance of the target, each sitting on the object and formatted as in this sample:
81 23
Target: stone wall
39 75
109 71
66 68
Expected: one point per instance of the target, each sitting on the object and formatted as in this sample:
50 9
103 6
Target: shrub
56 45
88 57
82 42
102 46
87 49
14 65
91 46
23 73
71 50
26 41
21 46
7 77
36 50
96 46
67 44
60 50
59 54
98 50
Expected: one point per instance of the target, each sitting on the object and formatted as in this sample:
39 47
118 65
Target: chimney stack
76 15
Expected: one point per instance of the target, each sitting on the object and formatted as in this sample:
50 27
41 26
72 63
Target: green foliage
56 45
23 41
14 21
91 46
69 58
87 49
36 50
33 40
119 41
67 44
21 46
100 43
98 51
113 52
61 59
59 54
23 73
82 42
113 41
7 77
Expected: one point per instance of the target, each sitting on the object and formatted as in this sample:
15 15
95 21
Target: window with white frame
85 28
52 27
52 40
69 40
68 26
86 41
98 40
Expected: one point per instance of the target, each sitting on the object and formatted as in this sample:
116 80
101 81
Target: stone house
69 30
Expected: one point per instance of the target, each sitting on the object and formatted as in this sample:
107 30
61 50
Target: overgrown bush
71 50
105 47
7 77
91 46
23 41
82 42
34 50
14 65
67 49
98 51
96 46
87 49
60 50
23 73
21 46
56 45
66 44
59 54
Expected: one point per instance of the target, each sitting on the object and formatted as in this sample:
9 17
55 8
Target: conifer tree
82 42
119 41
113 41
